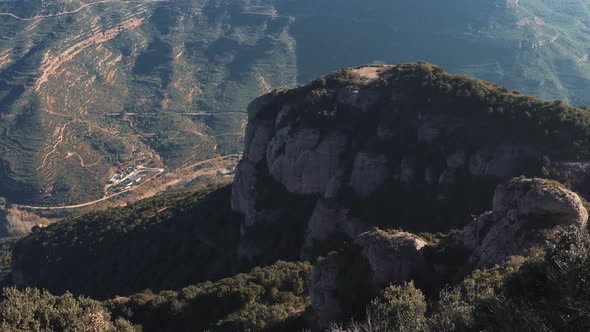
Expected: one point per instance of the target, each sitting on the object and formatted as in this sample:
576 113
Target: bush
451 313
555 287
546 293
35 310
269 298
398 308
404 307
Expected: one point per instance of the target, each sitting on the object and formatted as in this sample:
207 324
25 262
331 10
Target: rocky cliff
527 213
405 146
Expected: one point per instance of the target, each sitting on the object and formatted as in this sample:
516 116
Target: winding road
66 207
159 171
34 18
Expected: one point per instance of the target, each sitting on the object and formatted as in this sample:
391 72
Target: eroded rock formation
386 146
526 213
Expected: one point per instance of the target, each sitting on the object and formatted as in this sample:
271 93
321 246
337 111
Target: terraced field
177 66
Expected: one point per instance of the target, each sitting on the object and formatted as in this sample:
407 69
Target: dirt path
179 113
229 134
209 160
263 85
55 113
57 143
76 10
82 163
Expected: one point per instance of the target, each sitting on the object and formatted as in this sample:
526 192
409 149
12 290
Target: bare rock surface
322 292
526 212
394 256
369 172
330 218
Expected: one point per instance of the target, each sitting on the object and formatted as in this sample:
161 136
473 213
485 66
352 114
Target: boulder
526 213
395 257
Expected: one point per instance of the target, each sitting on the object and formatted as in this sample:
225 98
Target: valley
294 165
367 194
88 87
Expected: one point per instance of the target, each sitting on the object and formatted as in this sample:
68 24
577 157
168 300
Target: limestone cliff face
380 146
323 292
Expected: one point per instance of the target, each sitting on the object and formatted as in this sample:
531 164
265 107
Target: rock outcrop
323 292
404 146
526 213
392 257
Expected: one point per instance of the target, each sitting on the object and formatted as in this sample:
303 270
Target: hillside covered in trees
377 198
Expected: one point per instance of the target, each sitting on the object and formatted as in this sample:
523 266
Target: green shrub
398 308
554 287
451 313
543 293
404 307
456 308
35 310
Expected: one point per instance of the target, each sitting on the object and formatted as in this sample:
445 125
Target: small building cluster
125 177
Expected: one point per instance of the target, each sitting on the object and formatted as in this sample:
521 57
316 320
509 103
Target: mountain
90 86
536 46
407 146
396 196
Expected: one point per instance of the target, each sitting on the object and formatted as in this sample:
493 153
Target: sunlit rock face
526 213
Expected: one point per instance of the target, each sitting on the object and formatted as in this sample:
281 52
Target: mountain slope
89 85
536 46
332 172
407 146
67 79
165 242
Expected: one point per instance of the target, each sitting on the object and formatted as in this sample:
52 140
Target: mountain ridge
360 180
64 74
